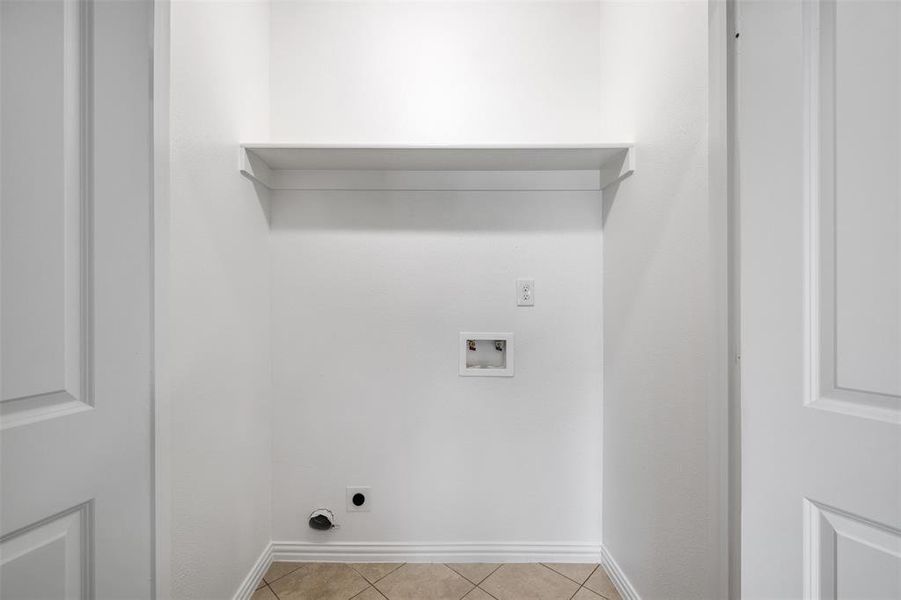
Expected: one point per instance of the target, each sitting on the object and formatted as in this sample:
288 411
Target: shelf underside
303 167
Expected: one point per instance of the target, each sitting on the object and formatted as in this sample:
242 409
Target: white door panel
45 282
50 559
867 182
75 412
819 129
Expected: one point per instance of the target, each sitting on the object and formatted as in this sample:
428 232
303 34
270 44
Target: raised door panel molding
46 210
847 556
853 203
51 559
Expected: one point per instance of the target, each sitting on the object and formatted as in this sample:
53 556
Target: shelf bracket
252 166
618 168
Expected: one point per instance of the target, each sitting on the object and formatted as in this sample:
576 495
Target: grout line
607 575
581 587
475 583
581 583
460 575
299 565
270 589
487 592
467 592
357 571
365 589
371 587
563 576
372 583
388 573
490 574
602 596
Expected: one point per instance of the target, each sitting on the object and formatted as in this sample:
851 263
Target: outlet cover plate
353 490
525 292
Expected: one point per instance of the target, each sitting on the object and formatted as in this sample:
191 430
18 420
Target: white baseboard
437 552
619 579
250 583
456 552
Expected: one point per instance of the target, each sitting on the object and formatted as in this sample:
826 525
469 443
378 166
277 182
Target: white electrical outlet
525 292
359 498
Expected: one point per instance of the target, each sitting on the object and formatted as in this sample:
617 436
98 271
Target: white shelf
362 167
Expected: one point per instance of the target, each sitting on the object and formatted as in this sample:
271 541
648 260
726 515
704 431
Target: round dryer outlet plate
359 498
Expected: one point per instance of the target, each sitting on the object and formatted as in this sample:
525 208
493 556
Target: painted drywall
435 72
662 289
370 290
218 309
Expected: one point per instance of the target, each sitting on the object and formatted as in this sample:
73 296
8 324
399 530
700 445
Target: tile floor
435 581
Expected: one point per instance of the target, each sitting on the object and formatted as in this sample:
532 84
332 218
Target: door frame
733 291
724 412
161 407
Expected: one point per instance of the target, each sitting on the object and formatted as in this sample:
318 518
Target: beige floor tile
374 571
369 593
601 584
475 572
578 572
262 583
477 594
280 569
424 582
320 581
263 593
586 594
528 582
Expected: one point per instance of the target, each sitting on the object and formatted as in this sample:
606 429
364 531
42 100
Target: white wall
662 321
439 72
370 289
218 309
